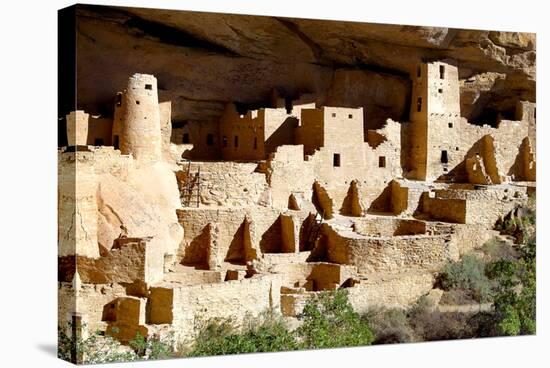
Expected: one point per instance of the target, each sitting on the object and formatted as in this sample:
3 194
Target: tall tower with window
137 119
435 116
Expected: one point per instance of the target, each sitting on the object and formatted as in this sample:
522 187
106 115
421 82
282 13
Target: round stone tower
117 121
140 129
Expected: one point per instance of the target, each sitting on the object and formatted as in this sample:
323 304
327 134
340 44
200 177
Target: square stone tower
435 119
77 128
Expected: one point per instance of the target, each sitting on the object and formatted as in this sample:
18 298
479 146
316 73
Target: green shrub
515 296
467 274
152 347
329 321
264 334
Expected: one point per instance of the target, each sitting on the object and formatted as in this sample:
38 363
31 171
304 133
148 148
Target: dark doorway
185 138
444 157
336 160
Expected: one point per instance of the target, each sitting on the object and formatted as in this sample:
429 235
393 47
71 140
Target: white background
28 123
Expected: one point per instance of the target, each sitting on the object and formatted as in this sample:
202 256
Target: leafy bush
222 337
515 296
152 347
467 274
329 321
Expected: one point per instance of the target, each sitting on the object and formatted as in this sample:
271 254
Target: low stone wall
90 303
194 277
487 213
386 254
468 237
388 226
107 160
132 261
481 193
237 300
444 209
314 276
285 258
394 290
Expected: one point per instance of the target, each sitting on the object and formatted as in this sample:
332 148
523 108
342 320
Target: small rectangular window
236 141
224 141
116 143
98 142
450 125
137 102
444 157
185 138
419 104
255 143
336 160
149 86
441 72
333 114
440 90
382 161
210 139
350 116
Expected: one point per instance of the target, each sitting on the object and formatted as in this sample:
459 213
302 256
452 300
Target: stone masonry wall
230 222
235 300
90 303
388 226
390 290
77 205
226 183
386 254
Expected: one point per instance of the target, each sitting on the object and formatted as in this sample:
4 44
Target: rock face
141 206
203 60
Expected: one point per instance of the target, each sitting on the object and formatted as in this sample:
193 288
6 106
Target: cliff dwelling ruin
163 221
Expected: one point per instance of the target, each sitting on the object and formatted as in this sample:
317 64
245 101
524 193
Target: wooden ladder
192 188
315 230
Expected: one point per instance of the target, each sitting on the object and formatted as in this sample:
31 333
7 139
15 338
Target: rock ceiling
203 60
